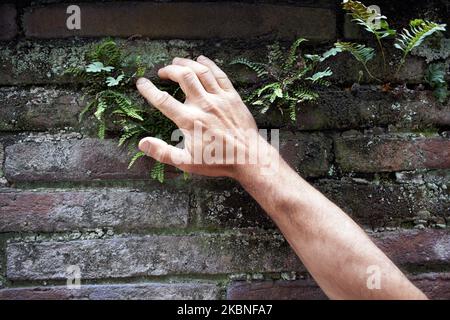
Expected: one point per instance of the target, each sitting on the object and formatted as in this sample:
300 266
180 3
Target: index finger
161 100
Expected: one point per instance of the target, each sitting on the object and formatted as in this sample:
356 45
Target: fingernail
144 146
201 58
142 81
175 60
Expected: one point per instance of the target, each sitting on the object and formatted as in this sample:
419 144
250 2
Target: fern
361 53
258 68
364 17
436 79
138 155
288 78
292 56
157 172
109 75
418 31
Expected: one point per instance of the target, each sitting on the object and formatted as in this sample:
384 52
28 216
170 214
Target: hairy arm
334 249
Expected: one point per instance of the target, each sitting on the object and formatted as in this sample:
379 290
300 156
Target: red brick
434 285
71 160
153 255
121 208
305 289
141 291
119 257
8 25
391 152
183 20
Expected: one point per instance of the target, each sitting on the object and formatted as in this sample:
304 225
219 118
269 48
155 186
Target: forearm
335 250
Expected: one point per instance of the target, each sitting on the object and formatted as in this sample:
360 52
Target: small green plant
108 77
287 79
406 41
436 79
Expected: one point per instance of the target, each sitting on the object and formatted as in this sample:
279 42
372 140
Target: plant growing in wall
408 39
288 78
109 75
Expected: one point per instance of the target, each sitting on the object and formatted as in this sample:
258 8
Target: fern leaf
436 79
320 75
101 129
86 109
257 67
418 31
371 20
293 111
157 172
138 155
361 53
101 108
292 56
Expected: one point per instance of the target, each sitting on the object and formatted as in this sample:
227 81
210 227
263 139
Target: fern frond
320 75
436 79
360 52
257 67
371 20
275 54
305 94
418 31
293 56
138 155
157 172
86 109
101 129
106 52
101 108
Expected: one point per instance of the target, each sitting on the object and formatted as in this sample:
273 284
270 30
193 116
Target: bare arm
332 246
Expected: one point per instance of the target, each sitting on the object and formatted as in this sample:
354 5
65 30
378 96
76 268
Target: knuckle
187 75
162 98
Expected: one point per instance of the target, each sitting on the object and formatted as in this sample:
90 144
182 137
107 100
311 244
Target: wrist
268 162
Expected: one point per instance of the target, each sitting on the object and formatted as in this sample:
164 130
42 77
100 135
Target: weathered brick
434 285
8 25
152 255
305 289
38 108
193 21
369 106
122 209
199 254
59 159
308 153
45 62
391 152
71 160
391 204
224 204
140 291
414 247
43 108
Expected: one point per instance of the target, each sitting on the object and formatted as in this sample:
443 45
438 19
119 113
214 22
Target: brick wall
67 198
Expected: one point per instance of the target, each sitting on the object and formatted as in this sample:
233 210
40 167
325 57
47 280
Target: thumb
163 152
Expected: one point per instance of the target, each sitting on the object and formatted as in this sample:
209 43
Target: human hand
220 134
